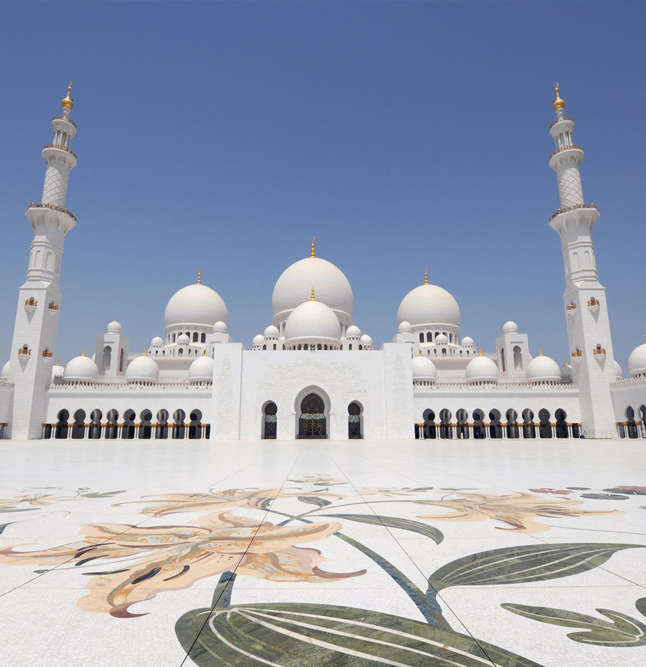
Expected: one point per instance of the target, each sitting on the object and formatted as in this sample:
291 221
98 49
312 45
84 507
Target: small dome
353 332
366 340
429 305
405 327
424 369
157 342
58 372
271 332
619 374
195 305
312 319
566 373
5 371
183 339
114 327
441 339
201 370
81 369
220 327
482 369
258 340
142 369
637 361
543 369
467 341
510 327
295 283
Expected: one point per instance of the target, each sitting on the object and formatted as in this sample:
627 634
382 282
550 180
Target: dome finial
313 297
144 351
426 276
419 354
204 355
480 351
83 353
313 253
58 362
540 351
558 102
67 102
199 277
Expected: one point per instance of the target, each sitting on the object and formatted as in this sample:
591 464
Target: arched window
178 424
421 338
145 427
270 421
529 430
112 427
478 425
561 424
512 424
544 428
195 426
462 427
95 425
502 359
196 337
121 360
429 425
446 430
630 421
61 425
203 338
161 430
495 429
312 422
128 428
107 358
429 337
78 428
518 358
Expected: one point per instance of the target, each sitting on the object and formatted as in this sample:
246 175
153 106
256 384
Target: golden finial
313 253
313 297
426 276
540 351
480 351
58 362
67 101
558 102
419 354
204 355
144 351
199 277
83 353
565 363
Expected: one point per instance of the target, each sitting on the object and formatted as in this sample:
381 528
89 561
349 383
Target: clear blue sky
401 135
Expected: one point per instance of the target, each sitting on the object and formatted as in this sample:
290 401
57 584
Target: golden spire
313 253
58 362
199 277
558 102
419 354
67 101
540 351
565 363
313 297
144 351
204 355
480 351
83 353
426 276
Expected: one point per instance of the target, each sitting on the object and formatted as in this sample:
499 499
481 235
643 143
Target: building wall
246 380
628 393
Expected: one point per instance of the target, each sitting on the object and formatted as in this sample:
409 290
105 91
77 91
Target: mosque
313 373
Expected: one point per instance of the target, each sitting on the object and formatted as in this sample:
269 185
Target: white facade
313 372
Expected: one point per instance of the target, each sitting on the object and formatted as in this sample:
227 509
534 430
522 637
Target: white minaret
586 310
34 336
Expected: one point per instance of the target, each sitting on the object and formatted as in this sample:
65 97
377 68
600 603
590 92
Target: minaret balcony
69 120
566 148
46 214
60 148
31 304
594 304
47 354
24 351
576 207
599 352
560 120
577 354
53 307
570 307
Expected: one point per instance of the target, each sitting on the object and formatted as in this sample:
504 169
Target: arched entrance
312 422
269 421
355 431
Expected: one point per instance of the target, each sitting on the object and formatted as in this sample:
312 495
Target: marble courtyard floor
169 553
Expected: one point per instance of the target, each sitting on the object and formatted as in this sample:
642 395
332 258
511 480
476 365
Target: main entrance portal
312 422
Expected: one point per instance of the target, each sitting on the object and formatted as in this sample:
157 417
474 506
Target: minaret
586 310
39 300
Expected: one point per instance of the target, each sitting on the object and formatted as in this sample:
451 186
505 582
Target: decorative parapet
53 306
61 209
31 302
60 148
566 148
24 351
622 382
109 387
576 354
69 120
567 209
570 306
501 386
5 383
47 354
559 120
599 351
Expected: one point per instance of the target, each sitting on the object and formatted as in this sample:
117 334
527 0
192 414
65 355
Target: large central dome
295 286
195 305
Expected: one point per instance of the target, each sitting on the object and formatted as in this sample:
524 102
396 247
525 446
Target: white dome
353 332
220 327
510 327
142 369
405 327
366 340
271 332
424 369
5 371
258 340
637 361
157 342
295 285
467 341
482 369
81 369
619 374
195 305
312 319
183 339
201 370
58 372
114 327
441 339
543 369
429 305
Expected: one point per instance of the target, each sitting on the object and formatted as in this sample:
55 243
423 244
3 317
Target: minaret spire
313 252
36 323
586 311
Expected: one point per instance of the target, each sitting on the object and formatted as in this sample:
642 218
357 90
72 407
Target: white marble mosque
313 373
